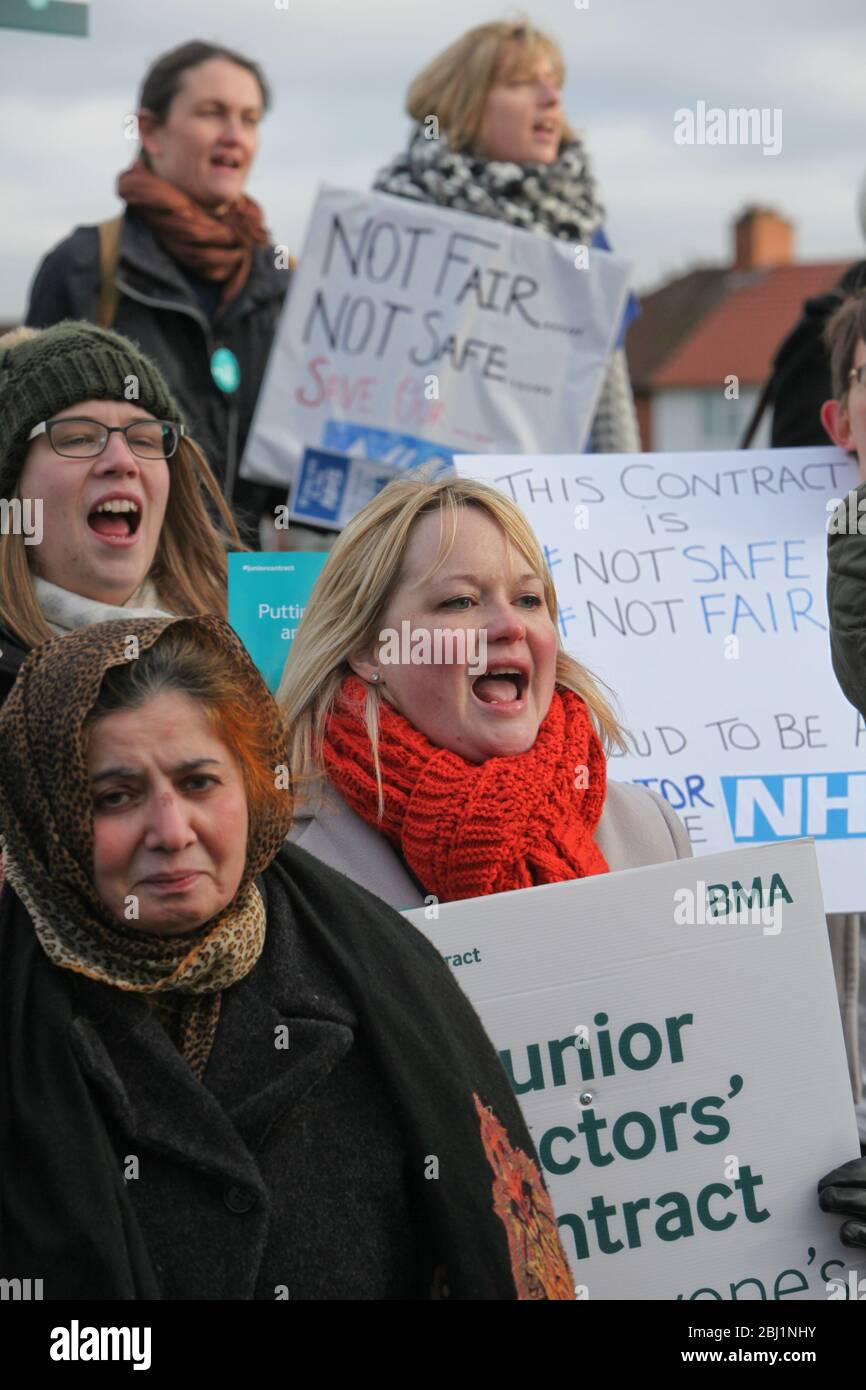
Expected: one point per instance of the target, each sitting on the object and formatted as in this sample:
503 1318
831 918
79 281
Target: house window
722 421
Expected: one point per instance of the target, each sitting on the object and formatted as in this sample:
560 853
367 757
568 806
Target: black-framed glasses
76 437
858 374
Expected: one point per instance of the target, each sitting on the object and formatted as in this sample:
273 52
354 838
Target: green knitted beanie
62 365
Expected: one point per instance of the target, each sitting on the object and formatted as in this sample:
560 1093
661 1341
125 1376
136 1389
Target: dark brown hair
841 335
162 81
189 570
191 663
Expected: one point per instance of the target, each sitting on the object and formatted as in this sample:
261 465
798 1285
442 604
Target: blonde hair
189 571
454 86
21 334
353 590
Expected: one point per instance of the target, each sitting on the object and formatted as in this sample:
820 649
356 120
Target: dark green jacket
846 596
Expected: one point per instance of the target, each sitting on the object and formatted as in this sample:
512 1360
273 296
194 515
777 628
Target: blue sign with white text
823 805
400 451
268 593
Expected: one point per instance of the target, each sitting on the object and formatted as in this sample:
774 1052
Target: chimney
762 238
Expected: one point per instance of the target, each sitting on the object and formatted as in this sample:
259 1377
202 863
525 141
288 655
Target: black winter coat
801 380
11 656
302 1171
158 309
846 597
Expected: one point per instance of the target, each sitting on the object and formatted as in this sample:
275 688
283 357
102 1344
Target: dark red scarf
218 248
467 829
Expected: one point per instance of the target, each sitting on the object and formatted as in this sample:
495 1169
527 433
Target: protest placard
411 332
268 593
677 1050
694 586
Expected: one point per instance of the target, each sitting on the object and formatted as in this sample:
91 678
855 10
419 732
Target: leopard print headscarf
46 831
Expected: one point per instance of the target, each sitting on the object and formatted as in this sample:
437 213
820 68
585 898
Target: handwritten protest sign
680 1064
694 586
410 332
268 593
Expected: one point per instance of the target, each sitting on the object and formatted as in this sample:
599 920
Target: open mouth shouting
546 127
225 159
116 519
502 687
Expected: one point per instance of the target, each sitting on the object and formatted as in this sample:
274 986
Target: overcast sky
340 68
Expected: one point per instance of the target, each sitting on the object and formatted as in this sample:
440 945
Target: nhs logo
825 805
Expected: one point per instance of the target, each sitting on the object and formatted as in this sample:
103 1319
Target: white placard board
725 1030
411 332
694 586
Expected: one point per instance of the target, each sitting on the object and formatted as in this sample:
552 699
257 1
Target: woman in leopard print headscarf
49 728
226 1066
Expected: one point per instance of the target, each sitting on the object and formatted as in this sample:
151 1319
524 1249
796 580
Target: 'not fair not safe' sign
678 1056
411 332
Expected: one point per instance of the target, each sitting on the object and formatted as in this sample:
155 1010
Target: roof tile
741 330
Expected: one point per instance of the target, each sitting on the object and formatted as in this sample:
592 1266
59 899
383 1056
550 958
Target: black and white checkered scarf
558 198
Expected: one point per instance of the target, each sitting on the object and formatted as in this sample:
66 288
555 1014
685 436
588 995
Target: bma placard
673 1035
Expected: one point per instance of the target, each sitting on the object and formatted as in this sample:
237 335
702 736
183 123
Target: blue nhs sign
825 805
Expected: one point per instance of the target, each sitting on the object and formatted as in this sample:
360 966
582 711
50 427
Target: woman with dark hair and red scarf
188 271
443 742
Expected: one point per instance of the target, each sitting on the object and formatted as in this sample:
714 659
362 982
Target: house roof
711 323
668 316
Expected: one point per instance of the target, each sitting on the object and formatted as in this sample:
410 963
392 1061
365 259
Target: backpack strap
109 250
757 415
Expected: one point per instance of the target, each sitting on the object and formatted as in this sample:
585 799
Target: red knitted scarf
467 829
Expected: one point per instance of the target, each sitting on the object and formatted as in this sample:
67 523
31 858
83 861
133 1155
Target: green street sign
46 16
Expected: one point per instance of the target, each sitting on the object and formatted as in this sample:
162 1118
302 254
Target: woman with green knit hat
106 504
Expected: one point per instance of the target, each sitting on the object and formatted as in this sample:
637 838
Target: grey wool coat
637 828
